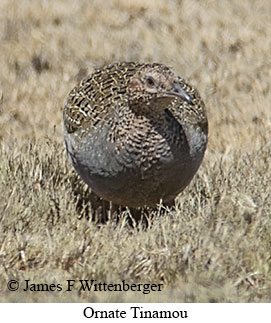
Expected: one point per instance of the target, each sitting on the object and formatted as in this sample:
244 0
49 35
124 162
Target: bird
136 133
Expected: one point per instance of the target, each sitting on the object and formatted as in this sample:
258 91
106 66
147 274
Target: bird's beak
178 91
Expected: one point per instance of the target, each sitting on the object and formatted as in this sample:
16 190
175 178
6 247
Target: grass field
216 245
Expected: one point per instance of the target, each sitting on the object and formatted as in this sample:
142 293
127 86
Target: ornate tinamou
135 133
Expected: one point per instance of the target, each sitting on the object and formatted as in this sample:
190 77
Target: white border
73 312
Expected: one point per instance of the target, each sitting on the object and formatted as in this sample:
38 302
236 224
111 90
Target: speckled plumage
135 133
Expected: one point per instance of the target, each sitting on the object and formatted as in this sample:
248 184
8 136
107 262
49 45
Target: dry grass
216 245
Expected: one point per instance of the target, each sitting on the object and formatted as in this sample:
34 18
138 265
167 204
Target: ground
216 245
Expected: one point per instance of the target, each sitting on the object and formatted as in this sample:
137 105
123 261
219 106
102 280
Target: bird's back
97 95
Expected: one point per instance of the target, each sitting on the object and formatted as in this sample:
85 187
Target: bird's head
155 83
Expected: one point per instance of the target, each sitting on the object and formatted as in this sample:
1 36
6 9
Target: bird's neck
153 110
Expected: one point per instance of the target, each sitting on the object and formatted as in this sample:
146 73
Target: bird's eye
150 81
